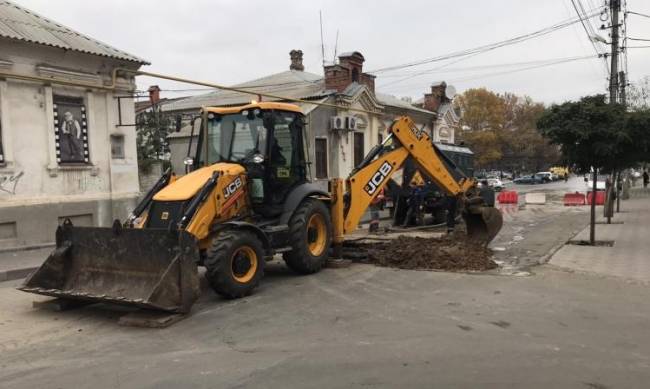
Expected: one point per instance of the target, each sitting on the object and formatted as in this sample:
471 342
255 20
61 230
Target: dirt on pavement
449 253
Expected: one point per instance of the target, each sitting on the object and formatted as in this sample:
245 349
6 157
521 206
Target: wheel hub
241 264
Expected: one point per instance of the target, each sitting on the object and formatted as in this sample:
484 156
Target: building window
321 157
70 130
359 151
380 138
117 146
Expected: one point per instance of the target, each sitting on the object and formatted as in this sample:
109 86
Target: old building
440 101
339 137
67 141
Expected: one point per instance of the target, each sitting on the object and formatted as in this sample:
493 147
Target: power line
489 47
638 14
586 25
482 67
506 72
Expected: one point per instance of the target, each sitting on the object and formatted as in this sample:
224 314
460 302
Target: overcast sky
234 41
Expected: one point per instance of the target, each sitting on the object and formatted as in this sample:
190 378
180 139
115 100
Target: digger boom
367 180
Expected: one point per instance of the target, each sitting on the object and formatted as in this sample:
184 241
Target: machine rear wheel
310 237
235 263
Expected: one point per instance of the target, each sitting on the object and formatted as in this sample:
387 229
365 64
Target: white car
544 176
495 184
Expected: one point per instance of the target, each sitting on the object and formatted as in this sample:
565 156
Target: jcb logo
417 132
377 178
232 188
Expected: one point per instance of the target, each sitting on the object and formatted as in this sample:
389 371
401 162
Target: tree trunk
618 193
592 224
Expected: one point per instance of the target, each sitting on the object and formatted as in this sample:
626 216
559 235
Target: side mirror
179 122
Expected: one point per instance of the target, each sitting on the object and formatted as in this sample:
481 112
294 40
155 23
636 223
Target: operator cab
267 139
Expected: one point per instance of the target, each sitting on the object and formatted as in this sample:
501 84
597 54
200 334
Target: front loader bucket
483 222
148 268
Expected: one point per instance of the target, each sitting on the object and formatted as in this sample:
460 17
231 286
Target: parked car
495 184
544 176
527 180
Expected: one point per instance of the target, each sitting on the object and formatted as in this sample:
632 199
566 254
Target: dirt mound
446 253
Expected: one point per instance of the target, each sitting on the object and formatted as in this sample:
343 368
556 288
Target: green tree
591 134
152 128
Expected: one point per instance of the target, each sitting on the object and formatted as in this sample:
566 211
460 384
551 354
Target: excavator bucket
148 268
483 222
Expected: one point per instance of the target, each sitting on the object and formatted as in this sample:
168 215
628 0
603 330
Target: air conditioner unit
351 123
337 122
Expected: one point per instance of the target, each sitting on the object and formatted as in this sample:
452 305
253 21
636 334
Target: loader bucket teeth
483 223
150 268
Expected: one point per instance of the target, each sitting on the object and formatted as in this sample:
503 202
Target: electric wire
488 47
589 29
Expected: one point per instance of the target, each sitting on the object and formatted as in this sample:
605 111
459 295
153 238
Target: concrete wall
35 189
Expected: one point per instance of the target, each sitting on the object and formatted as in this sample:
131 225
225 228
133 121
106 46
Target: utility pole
622 83
614 7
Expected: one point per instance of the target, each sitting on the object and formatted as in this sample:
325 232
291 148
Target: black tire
226 263
302 259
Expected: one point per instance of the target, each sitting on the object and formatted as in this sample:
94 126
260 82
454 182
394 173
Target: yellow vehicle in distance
560 171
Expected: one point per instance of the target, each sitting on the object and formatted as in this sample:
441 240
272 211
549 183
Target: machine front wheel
234 263
310 231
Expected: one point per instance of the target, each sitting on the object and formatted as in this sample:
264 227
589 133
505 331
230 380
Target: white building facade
67 141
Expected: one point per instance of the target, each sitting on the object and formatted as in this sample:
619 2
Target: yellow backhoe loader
246 198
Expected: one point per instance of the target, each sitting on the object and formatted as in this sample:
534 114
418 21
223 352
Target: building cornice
68 75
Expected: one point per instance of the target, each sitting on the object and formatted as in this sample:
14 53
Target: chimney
154 94
296 60
433 100
348 70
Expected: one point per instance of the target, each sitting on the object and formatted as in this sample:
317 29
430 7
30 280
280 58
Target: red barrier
508 197
600 197
576 198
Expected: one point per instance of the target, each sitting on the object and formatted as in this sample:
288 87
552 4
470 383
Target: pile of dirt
449 253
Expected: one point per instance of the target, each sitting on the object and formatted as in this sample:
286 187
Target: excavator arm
366 181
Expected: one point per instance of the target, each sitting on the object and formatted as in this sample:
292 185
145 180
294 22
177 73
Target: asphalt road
531 233
362 327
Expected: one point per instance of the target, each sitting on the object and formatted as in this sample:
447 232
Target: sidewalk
628 257
18 264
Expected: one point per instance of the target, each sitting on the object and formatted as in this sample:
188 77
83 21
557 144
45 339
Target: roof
21 24
293 84
305 108
146 104
393 101
454 148
261 105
